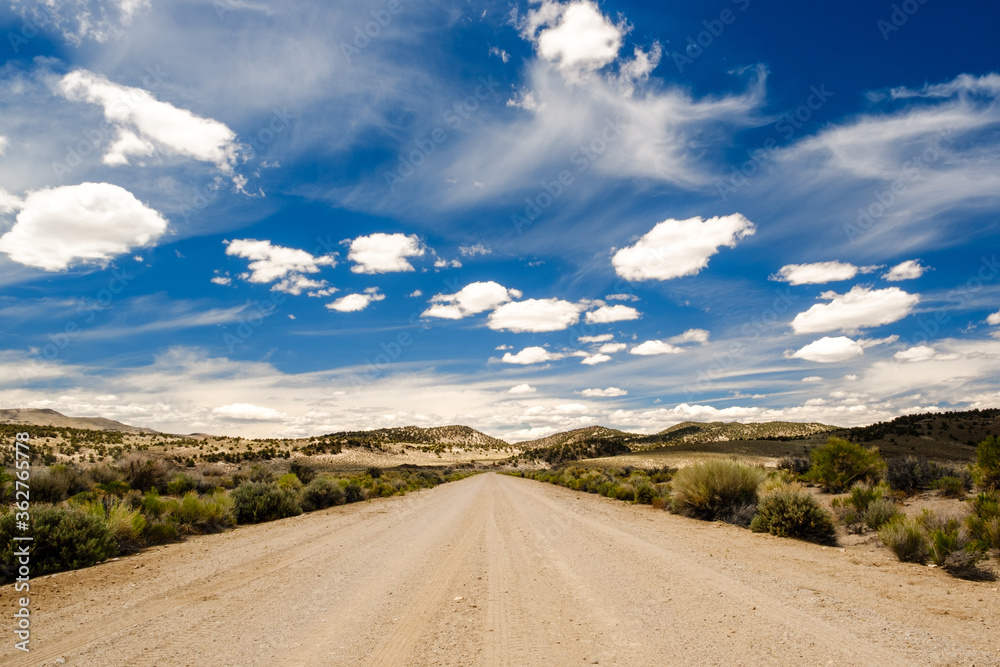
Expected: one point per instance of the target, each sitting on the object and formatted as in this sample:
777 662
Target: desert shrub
661 503
793 513
104 473
911 473
958 553
305 472
125 523
181 483
114 488
645 493
374 472
983 522
353 492
951 487
797 465
159 532
715 489
839 463
259 473
322 492
987 468
144 473
905 538
880 512
49 486
208 514
255 502
289 481
625 492
65 539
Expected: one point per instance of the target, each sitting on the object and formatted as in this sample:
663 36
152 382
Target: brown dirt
494 570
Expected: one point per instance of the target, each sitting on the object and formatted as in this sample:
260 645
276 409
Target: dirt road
495 570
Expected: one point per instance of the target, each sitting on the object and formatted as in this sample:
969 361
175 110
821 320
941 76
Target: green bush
208 514
144 473
880 512
305 472
180 484
65 539
839 463
793 513
715 490
983 522
645 493
255 502
951 487
353 493
114 487
906 539
987 469
125 523
321 493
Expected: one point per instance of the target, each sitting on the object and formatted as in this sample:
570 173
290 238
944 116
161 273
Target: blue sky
285 219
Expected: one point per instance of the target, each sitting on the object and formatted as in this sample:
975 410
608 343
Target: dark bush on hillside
987 470
144 473
797 465
65 539
912 473
840 463
305 472
791 513
715 490
256 502
374 472
321 493
49 485
353 492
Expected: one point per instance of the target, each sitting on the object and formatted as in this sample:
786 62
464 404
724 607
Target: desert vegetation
82 515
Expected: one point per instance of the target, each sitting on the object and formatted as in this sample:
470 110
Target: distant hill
451 436
45 417
582 443
701 432
943 435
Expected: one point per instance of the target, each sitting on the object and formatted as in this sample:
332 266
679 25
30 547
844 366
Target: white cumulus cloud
829 350
596 339
288 266
651 347
474 298
908 270
860 308
594 359
818 272
600 393
691 336
919 353
531 355
352 303
146 125
994 318
522 389
535 315
608 314
384 253
611 348
675 248
89 223
576 36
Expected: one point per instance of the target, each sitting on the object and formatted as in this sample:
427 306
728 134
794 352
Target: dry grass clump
716 490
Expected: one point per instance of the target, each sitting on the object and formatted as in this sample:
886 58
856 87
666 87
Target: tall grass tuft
716 490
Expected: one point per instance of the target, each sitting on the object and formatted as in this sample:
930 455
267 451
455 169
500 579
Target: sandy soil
494 570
